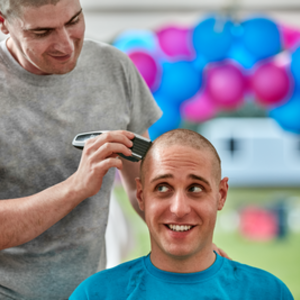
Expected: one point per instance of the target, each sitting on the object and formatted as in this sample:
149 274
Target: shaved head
13 8
183 137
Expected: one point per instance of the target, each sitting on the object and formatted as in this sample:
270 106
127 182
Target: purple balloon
226 85
175 41
199 108
270 83
147 66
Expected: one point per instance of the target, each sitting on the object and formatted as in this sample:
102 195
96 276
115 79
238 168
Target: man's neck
12 50
187 264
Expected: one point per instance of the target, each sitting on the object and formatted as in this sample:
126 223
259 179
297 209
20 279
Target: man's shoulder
104 51
255 278
129 267
110 282
250 270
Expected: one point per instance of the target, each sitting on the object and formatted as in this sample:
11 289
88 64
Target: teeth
179 227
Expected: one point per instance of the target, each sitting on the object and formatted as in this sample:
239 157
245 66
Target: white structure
119 235
255 151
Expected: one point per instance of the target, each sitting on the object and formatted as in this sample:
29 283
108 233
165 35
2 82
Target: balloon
175 41
226 85
295 66
170 119
136 40
180 81
212 38
198 109
271 84
147 66
241 55
287 115
290 36
261 37
200 63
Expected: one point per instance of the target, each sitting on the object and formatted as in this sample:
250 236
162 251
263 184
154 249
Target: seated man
180 191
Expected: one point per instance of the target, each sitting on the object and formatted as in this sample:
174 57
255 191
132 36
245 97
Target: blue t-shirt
140 280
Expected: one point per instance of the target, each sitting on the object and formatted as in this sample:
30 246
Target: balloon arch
218 65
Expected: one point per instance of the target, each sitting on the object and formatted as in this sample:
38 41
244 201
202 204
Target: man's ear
223 190
139 194
3 23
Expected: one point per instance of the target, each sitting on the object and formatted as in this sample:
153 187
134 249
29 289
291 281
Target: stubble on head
184 137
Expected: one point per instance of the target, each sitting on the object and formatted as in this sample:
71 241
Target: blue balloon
135 40
213 38
200 62
180 81
170 119
261 37
240 54
288 115
295 66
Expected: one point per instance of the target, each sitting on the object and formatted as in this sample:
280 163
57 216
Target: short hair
184 137
12 8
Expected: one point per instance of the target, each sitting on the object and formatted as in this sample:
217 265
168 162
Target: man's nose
180 205
64 42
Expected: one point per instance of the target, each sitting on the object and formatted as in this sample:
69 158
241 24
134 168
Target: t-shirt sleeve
143 109
286 294
80 293
89 289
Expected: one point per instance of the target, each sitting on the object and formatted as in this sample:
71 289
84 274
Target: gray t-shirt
39 117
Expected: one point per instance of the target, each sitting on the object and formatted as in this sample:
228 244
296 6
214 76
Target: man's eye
196 189
41 33
162 188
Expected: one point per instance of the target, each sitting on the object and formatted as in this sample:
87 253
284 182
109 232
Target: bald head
187 138
13 8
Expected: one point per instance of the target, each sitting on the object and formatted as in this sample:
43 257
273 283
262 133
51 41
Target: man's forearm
23 219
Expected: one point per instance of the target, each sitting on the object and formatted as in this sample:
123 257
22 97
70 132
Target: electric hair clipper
139 148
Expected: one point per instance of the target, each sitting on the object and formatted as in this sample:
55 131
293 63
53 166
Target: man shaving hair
55 199
181 191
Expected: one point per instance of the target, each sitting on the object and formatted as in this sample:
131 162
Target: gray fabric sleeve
143 109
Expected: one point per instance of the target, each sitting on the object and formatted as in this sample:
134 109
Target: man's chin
62 72
64 69
179 253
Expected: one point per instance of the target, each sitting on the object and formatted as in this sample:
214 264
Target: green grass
279 257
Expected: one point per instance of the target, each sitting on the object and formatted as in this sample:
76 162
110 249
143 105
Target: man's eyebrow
50 28
193 176
75 16
159 177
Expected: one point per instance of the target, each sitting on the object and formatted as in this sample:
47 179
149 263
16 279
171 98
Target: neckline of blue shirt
184 277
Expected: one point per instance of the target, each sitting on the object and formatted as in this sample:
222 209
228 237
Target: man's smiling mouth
179 228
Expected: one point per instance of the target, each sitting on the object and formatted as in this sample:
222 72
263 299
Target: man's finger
221 252
111 149
118 137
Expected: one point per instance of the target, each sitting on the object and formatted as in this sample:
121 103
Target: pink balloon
200 108
226 85
290 37
270 83
147 66
175 41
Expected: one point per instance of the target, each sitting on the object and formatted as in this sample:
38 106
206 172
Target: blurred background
231 71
